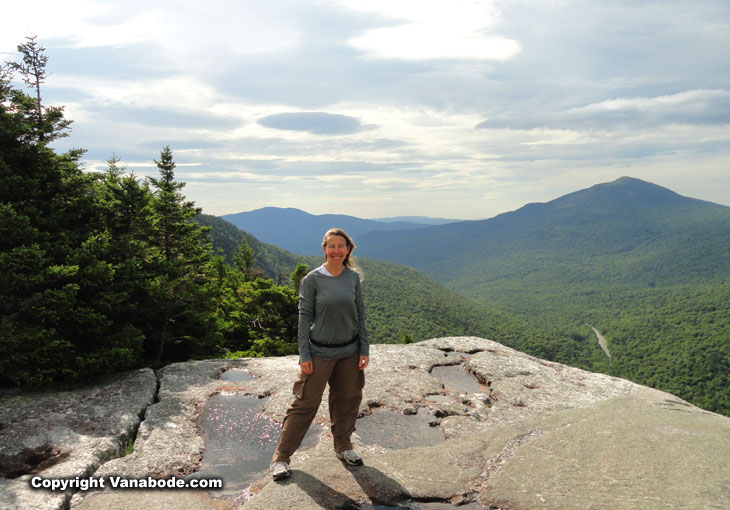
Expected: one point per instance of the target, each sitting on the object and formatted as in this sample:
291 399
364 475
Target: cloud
430 41
689 107
317 123
160 117
697 107
433 30
180 26
269 100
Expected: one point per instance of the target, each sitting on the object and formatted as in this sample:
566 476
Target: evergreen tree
125 204
256 316
182 288
243 259
298 275
102 272
53 266
48 122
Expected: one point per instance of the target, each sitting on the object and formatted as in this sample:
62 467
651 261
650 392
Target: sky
455 109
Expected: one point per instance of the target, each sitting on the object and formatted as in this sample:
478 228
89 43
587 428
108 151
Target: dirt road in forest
601 342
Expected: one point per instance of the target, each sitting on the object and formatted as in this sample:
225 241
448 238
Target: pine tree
54 270
102 272
183 289
298 275
125 202
48 122
243 259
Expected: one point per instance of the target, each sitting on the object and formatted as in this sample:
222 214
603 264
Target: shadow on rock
377 487
380 488
324 495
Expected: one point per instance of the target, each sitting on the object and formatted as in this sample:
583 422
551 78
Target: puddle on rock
457 380
394 430
384 507
445 506
422 506
237 375
240 440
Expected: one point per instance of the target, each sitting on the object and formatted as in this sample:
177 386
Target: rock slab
65 434
537 435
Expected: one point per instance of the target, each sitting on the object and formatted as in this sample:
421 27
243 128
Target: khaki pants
346 381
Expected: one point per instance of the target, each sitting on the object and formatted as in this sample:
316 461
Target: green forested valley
268 260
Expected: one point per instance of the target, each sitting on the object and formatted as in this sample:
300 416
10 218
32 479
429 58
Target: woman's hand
364 360
306 367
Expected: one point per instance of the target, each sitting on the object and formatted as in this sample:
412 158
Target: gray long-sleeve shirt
331 311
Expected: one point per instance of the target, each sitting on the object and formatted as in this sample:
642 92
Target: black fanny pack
332 346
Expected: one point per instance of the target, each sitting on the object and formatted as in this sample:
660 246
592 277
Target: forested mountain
628 230
648 267
274 262
300 232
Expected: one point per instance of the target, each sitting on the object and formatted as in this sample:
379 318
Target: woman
333 348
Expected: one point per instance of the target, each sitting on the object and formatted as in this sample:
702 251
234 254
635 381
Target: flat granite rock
626 452
544 436
536 435
65 434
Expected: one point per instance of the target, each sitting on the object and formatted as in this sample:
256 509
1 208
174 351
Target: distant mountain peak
625 193
628 179
634 183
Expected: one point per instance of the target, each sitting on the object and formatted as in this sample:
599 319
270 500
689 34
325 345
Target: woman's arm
307 296
363 332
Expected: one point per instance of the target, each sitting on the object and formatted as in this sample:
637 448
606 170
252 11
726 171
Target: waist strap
320 344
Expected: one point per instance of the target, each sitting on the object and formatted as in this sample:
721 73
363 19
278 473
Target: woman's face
335 249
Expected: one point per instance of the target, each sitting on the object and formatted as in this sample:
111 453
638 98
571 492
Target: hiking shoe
350 457
279 470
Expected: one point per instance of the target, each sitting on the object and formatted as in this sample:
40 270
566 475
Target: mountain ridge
299 231
295 228
425 220
615 217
